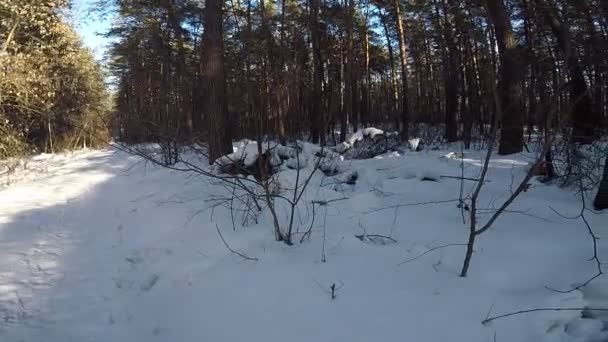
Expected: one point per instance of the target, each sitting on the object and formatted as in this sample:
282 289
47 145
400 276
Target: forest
52 91
433 170
186 71
249 69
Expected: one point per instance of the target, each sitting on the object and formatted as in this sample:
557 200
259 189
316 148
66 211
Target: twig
436 265
490 319
323 258
576 287
332 289
386 168
564 216
364 236
594 238
312 222
335 289
232 250
326 202
489 311
407 205
486 211
466 178
431 250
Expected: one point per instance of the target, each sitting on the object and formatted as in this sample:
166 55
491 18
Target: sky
89 25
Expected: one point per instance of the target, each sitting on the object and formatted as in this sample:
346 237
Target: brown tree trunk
433 100
511 137
317 100
394 91
267 107
184 110
532 83
451 80
473 105
343 80
403 61
284 93
365 114
212 70
450 65
350 61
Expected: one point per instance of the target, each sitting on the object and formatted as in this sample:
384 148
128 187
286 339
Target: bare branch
232 250
490 319
408 205
466 178
594 238
429 251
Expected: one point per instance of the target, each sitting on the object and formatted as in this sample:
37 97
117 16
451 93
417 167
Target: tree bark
394 91
404 118
350 56
317 100
450 65
511 137
212 70
365 113
184 110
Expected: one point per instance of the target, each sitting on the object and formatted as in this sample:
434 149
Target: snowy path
95 246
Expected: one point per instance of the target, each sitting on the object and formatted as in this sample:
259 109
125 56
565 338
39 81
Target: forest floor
100 246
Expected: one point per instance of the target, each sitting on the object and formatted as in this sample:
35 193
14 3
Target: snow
100 246
361 133
415 144
245 150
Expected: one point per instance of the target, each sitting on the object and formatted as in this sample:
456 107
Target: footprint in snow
149 283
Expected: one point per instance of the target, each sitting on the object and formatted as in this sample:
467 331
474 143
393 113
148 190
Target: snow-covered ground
100 246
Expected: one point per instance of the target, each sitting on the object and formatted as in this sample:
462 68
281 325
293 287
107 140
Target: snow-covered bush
368 143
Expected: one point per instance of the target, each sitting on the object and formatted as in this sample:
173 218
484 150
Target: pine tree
212 71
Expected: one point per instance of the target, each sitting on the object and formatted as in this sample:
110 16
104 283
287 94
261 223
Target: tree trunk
317 100
212 70
184 110
532 85
601 199
450 65
394 92
283 88
350 61
471 90
403 61
343 113
511 137
366 90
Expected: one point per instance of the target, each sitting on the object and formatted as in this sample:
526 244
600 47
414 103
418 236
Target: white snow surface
245 150
361 133
100 246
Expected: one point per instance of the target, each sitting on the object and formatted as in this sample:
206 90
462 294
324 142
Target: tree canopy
52 91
